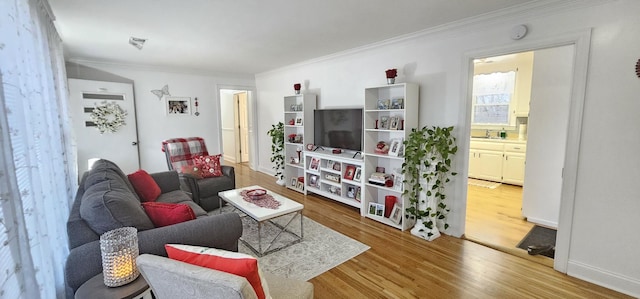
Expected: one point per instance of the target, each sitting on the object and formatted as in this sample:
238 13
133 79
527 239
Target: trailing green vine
277 148
427 167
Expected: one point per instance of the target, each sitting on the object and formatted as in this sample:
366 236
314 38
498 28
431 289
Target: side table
94 288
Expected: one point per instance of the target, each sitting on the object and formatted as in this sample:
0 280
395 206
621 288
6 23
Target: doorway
539 101
235 125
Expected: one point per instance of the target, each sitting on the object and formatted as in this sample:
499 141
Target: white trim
542 222
581 39
253 120
607 279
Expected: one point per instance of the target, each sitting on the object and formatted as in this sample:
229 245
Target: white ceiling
245 36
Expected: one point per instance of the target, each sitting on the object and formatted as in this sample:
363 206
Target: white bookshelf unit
335 176
298 122
386 119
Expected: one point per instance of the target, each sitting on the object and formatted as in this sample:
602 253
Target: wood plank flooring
494 219
399 265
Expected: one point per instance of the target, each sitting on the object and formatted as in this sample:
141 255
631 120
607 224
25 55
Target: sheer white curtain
37 165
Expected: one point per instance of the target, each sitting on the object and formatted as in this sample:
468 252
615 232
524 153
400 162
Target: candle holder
119 248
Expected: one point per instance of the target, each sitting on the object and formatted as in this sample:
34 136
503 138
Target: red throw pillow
145 186
226 261
164 213
209 165
193 170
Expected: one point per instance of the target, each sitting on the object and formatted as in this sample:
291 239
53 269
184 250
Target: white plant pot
280 182
421 231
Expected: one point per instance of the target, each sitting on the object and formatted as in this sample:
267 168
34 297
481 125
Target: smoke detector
137 42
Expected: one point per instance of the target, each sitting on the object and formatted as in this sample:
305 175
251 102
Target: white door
547 134
120 146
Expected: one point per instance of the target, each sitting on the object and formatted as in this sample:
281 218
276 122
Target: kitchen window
493 99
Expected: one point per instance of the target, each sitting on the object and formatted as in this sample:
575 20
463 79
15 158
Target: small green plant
277 148
427 167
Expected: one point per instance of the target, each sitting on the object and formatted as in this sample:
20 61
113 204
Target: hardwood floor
399 265
494 219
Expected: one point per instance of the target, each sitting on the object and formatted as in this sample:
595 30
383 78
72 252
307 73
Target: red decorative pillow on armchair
209 165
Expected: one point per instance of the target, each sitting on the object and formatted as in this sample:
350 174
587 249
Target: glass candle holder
119 248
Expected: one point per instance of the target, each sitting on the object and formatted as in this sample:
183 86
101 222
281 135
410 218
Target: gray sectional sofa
106 200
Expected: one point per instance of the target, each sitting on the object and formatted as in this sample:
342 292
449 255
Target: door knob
134 143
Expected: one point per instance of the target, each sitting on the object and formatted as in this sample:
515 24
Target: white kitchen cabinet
486 165
513 164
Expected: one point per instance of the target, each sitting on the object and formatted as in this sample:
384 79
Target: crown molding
155 68
525 11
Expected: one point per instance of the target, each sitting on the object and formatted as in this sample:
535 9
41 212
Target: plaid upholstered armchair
180 153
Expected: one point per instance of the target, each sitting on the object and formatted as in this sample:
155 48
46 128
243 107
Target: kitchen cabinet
498 161
513 164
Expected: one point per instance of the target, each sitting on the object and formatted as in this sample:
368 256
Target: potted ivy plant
277 150
427 167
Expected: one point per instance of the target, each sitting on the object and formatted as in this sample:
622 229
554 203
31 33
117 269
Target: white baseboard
542 222
229 159
607 279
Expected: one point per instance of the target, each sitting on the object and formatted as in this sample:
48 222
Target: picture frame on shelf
398 180
384 104
397 103
349 172
294 182
394 123
298 121
384 123
372 208
351 192
314 164
358 174
396 214
336 166
332 177
313 180
395 148
300 185
379 210
331 164
358 194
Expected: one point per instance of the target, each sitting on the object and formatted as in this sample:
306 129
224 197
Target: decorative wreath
108 117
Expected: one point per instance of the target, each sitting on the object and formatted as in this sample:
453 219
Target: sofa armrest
167 180
218 231
189 184
230 172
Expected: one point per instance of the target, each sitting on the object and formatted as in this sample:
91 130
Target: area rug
320 249
484 184
539 236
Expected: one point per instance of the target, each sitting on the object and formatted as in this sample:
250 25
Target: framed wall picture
395 148
396 214
178 105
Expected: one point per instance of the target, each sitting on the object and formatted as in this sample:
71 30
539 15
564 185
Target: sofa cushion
109 205
105 170
209 165
145 186
179 196
164 214
227 261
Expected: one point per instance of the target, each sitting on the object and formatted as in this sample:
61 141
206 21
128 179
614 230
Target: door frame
251 105
582 41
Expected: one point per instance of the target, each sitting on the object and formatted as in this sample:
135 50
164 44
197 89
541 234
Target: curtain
38 175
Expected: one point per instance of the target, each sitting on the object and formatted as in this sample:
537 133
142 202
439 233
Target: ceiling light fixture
137 42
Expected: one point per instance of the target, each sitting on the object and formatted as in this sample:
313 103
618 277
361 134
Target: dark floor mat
539 236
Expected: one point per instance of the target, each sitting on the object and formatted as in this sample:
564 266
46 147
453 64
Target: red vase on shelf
389 202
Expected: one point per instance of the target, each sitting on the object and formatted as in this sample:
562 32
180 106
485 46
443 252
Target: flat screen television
338 128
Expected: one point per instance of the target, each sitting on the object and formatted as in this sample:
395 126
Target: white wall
153 123
604 242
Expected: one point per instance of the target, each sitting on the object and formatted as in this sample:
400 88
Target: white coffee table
262 215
